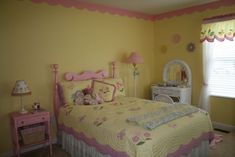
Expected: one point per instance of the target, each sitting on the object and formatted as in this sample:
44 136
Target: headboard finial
55 67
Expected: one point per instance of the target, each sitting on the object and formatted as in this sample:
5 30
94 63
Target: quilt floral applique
81 118
141 138
99 121
69 109
172 125
121 134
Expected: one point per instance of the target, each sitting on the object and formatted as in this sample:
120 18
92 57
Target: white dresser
176 86
171 94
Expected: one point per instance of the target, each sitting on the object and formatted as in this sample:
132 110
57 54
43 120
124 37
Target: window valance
218 30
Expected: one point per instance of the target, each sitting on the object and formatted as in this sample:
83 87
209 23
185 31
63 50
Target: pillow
71 88
104 90
118 83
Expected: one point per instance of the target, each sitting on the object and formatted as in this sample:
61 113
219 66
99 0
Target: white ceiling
149 6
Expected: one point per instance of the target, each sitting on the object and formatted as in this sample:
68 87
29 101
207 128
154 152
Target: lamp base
23 111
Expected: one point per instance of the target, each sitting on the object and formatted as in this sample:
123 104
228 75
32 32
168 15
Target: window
222 77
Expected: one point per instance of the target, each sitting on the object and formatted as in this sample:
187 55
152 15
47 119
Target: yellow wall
35 35
188 26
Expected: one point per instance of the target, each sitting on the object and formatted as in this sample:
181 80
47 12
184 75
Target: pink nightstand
28 122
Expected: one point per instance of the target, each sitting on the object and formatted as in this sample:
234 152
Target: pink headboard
86 75
70 76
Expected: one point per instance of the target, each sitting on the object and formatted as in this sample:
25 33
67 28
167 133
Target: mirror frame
181 63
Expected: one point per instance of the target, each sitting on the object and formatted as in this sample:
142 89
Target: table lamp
135 59
21 88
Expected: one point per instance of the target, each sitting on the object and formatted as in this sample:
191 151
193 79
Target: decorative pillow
118 83
70 89
104 90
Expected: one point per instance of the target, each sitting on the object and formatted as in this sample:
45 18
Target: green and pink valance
219 28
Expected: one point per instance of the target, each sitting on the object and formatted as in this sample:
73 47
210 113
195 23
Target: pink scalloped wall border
198 8
96 7
138 15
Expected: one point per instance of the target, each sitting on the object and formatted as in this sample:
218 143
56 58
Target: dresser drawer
167 92
33 119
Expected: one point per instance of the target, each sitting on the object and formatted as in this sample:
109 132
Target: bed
126 126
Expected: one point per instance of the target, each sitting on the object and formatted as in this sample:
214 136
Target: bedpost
55 89
114 69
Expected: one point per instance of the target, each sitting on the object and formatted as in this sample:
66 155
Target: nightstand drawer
32 120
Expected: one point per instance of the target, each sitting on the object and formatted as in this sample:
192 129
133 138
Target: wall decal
163 49
190 47
175 38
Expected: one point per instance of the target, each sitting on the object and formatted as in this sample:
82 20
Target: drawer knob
43 118
22 122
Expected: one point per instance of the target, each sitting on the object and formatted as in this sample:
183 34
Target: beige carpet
224 149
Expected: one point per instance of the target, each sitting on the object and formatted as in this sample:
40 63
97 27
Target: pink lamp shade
135 58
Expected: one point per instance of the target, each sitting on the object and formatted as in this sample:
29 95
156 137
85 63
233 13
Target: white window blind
222 78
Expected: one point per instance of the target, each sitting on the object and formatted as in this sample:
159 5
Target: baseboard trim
9 154
223 126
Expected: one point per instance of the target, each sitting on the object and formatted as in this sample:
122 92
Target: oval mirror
176 73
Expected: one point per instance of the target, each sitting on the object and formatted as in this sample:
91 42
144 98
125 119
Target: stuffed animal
93 99
78 98
87 90
98 98
86 97
89 100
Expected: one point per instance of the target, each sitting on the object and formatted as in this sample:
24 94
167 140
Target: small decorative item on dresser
36 106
